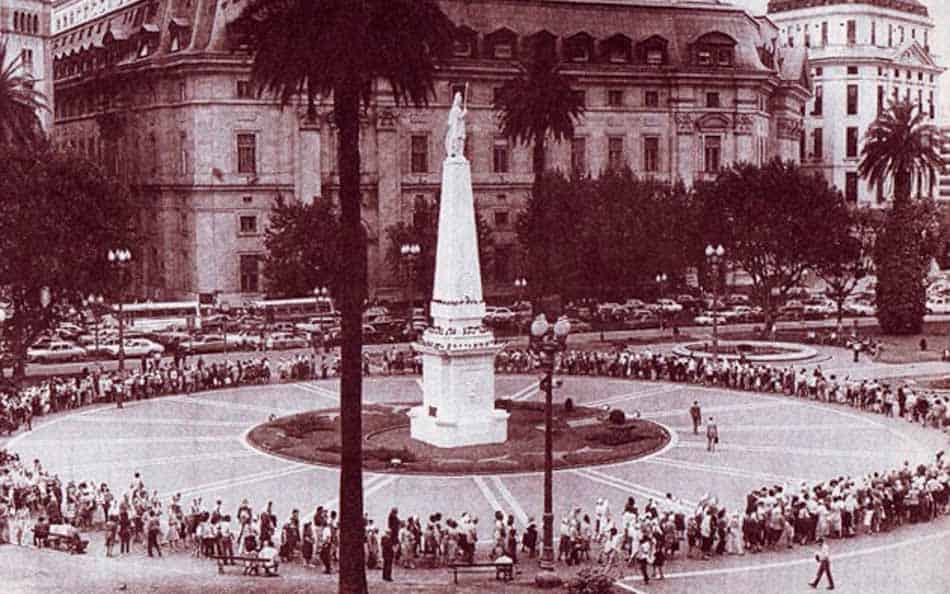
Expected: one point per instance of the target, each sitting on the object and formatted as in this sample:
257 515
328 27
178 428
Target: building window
651 99
579 155
852 99
419 151
651 154
713 154
873 33
819 101
851 142
819 143
852 32
462 48
824 34
247 153
502 51
932 105
248 224
615 160
852 70
182 91
615 98
243 89
500 156
704 58
501 218
819 71
712 100
890 36
182 154
250 273
851 187
580 97
655 57
880 100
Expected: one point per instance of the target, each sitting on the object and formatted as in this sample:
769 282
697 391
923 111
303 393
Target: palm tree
20 103
900 145
345 49
538 102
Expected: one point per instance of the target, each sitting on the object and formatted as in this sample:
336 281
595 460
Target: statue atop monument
455 135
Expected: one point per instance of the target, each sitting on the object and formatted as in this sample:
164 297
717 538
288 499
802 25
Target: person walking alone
697 415
152 533
386 544
712 435
823 557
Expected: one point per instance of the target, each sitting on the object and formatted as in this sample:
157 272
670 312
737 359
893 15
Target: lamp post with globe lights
119 259
521 286
94 304
411 251
547 341
661 280
715 256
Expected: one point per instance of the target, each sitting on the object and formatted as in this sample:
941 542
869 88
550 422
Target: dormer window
654 57
542 46
578 48
704 57
618 49
714 49
500 45
464 42
652 51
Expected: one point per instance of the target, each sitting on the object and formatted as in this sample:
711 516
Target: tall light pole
547 341
94 302
411 251
119 259
715 255
521 286
661 280
321 295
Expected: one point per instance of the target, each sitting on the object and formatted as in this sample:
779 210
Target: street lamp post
521 286
714 255
321 294
411 251
547 341
661 280
120 258
94 302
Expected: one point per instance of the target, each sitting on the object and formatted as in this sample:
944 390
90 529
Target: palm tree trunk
902 188
352 565
538 157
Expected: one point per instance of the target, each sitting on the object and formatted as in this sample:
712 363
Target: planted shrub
591 581
617 417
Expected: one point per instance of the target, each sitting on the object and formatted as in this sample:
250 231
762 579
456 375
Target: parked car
667 306
632 304
246 339
132 347
205 343
939 305
792 310
746 313
499 315
737 299
688 301
706 318
54 351
283 341
579 325
819 308
858 308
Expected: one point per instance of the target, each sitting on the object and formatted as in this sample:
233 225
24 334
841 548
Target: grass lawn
581 438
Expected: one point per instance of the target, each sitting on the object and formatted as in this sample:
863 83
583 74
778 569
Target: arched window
501 44
653 51
465 43
618 49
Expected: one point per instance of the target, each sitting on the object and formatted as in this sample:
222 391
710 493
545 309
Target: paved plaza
196 445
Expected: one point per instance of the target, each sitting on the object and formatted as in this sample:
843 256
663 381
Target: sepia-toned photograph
474 296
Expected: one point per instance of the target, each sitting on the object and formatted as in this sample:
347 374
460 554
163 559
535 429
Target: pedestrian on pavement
856 348
386 544
712 435
823 557
152 533
697 415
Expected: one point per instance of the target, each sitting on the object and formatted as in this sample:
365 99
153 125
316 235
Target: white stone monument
458 351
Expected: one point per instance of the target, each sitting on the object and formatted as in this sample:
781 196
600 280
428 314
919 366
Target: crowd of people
643 535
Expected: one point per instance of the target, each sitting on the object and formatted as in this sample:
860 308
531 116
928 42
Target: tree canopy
775 222
62 215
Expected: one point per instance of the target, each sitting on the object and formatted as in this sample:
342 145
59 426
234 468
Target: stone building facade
25 28
159 90
863 54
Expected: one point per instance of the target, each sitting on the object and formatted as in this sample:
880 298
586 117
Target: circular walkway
196 445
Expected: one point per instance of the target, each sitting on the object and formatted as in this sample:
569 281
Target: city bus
293 310
160 316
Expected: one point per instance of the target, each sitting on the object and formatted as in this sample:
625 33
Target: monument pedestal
458 407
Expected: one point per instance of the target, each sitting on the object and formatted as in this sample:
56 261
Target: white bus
293 309
160 316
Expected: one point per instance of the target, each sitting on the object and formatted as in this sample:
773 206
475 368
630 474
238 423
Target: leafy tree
900 145
537 102
302 248
62 215
20 103
775 222
902 256
423 229
343 49
849 257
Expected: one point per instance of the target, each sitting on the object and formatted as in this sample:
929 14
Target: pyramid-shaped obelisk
458 351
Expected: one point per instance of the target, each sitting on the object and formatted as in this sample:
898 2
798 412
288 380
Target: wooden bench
64 537
503 571
250 564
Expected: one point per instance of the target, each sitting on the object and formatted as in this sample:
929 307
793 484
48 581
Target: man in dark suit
696 414
386 544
